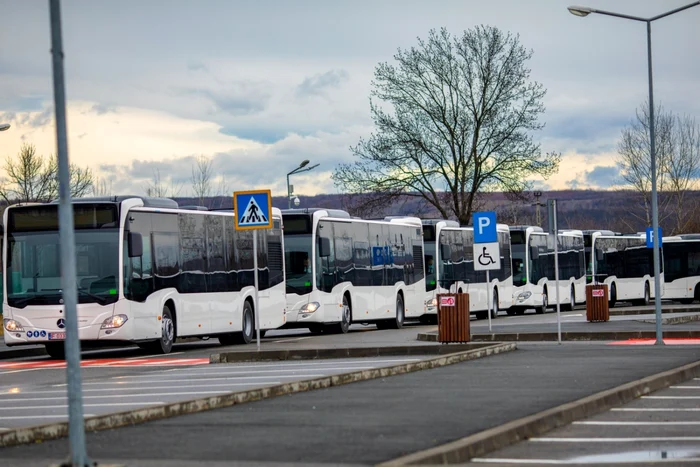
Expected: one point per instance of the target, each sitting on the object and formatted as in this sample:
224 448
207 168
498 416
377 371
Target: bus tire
56 350
540 310
613 296
345 318
247 328
647 294
494 303
572 300
165 344
397 322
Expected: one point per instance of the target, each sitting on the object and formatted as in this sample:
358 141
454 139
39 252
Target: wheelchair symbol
485 258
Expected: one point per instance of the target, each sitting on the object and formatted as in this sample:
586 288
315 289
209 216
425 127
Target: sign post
253 211
651 240
487 252
554 231
69 293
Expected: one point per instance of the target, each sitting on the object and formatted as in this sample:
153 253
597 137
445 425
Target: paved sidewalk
375 421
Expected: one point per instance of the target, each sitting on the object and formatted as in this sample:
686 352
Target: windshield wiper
298 290
20 302
97 298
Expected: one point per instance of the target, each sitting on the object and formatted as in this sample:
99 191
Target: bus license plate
57 336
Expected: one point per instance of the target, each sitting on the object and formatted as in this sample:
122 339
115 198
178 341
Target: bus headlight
12 325
431 302
114 322
310 307
524 296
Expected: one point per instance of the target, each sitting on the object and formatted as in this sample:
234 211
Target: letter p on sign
485 227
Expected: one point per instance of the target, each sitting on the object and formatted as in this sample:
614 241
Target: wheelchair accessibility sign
487 256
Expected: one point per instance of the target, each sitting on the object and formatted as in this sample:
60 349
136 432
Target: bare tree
456 118
677 164
683 171
158 188
31 177
202 178
102 187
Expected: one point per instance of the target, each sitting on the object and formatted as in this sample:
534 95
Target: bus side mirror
135 244
534 252
324 247
445 253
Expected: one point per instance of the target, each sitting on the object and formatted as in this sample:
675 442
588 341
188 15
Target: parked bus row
150 272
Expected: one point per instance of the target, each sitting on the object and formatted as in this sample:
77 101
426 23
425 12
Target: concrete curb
133 417
672 320
635 311
342 352
537 424
567 336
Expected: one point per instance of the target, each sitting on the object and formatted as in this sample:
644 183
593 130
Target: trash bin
597 303
453 318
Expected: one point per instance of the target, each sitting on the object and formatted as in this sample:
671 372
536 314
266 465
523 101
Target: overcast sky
262 85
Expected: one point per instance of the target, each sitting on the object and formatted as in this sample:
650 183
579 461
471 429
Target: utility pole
537 195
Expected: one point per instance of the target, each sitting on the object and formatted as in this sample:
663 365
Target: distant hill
580 209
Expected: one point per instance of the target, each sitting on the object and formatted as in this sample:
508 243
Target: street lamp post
585 11
4 126
302 168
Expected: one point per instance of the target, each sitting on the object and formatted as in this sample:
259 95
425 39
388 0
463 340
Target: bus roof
148 202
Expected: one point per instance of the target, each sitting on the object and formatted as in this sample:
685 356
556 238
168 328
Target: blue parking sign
485 227
650 237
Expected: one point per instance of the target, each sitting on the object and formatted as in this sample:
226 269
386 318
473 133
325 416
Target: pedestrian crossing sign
252 209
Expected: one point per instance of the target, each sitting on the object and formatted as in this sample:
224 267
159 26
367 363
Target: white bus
449 264
148 272
626 265
342 270
682 268
534 271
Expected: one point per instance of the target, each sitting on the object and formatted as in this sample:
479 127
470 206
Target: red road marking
671 341
112 362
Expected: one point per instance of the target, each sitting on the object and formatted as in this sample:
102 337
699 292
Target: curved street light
4 126
585 11
299 169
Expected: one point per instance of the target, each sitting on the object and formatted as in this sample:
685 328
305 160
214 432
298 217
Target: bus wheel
165 343
572 301
613 296
644 301
56 350
247 329
345 318
494 303
397 323
545 303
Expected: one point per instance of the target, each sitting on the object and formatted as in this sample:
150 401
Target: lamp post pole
302 168
585 11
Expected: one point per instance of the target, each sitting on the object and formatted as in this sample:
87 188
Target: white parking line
615 423
160 394
616 440
65 406
297 364
670 397
178 380
292 340
122 388
685 387
38 416
644 409
245 372
484 460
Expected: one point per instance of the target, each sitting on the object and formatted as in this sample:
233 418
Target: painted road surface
23 405
661 427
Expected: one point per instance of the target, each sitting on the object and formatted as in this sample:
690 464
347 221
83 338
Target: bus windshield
297 256
518 255
33 263
429 265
